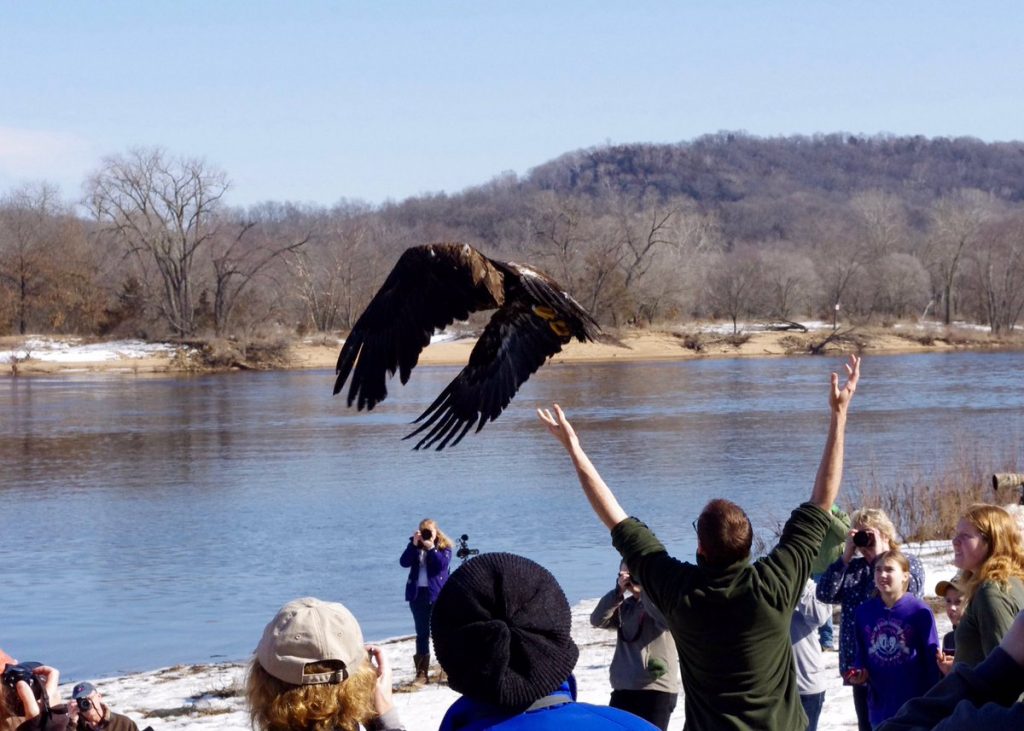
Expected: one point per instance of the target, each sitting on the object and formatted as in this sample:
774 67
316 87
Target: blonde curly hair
877 519
1005 556
278 706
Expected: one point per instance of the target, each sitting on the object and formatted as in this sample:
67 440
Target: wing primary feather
465 428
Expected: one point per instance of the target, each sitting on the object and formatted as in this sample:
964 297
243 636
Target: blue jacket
469 715
437 570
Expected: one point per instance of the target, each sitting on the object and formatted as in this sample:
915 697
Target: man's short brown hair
724 533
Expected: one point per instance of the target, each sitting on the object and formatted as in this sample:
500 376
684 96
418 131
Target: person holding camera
30 697
645 667
850 581
90 713
427 557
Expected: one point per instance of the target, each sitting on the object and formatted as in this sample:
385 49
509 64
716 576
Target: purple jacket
437 570
897 646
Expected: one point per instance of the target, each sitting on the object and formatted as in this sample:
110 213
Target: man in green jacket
730 618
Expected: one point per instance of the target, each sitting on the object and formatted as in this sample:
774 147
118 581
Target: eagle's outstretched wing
536 320
430 287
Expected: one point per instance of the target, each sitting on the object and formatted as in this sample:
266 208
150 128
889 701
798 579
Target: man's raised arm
830 471
605 506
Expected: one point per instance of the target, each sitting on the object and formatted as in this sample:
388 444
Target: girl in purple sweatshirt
896 641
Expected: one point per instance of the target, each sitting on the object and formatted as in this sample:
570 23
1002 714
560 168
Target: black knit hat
501 628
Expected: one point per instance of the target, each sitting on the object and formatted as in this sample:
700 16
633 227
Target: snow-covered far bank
75 350
208 697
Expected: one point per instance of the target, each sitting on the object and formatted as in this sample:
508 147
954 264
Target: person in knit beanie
502 633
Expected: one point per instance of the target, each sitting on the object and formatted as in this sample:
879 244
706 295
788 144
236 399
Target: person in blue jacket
501 628
427 557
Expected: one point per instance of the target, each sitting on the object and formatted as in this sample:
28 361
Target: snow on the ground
726 328
73 350
209 697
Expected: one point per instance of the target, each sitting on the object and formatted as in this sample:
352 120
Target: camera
84 704
863 539
24 671
465 551
426 534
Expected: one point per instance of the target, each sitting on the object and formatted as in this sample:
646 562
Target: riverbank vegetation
926 504
852 229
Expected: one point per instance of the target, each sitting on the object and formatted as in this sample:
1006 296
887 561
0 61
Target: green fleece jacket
731 625
988 616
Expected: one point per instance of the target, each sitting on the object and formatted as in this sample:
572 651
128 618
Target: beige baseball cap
309 630
943 586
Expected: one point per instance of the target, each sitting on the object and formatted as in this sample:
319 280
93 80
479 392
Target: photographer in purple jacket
427 557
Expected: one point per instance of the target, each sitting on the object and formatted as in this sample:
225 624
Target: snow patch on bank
73 350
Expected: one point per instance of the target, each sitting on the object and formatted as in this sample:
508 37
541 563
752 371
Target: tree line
726 226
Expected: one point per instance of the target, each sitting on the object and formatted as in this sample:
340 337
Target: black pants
654 706
860 705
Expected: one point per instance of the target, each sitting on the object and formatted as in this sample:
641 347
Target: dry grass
256 353
927 506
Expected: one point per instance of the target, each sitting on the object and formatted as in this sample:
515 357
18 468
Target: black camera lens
84 704
426 534
863 539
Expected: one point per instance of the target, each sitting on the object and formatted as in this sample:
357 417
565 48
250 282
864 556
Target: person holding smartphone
645 667
427 556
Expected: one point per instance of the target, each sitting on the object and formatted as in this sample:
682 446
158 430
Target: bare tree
731 285
957 222
27 247
47 276
996 271
337 273
163 211
901 285
788 283
246 243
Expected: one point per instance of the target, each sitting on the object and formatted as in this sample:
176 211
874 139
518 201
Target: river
148 521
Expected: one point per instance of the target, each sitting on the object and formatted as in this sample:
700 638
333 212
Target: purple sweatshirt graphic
897 647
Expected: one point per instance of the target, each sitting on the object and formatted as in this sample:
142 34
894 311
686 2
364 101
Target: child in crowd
953 598
896 641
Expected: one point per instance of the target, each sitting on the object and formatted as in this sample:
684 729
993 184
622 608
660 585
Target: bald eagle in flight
432 286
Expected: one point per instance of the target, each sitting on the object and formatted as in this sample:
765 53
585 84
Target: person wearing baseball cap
311 672
90 713
501 628
952 596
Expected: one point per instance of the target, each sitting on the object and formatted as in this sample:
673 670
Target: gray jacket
645 653
810 613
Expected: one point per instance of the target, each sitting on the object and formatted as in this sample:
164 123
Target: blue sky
318 101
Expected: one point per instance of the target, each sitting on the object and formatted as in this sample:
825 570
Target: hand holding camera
37 686
624 581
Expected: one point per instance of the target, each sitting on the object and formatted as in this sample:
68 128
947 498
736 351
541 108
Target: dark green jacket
834 542
731 625
988 616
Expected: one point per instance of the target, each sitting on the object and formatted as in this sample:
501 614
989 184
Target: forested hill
727 225
729 167
758 189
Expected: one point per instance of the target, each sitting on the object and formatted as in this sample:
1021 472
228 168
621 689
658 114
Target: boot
422 662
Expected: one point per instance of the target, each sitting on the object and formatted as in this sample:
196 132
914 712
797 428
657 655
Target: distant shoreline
642 345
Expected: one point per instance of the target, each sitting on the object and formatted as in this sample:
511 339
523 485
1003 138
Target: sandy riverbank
27 355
